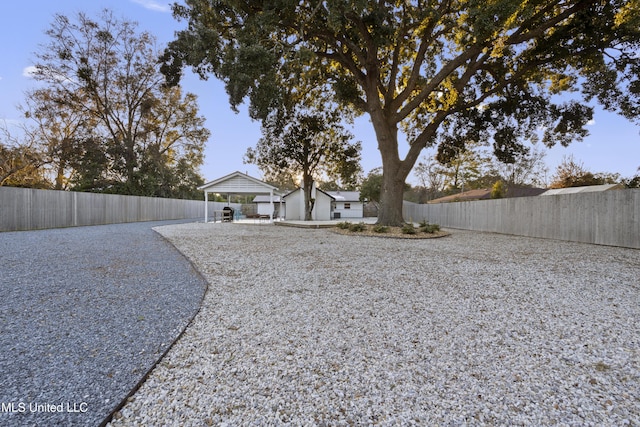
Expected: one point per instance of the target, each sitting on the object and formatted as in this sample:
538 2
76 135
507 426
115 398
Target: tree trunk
391 196
394 172
60 178
130 162
307 185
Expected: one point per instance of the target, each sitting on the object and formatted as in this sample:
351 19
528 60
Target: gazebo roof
238 183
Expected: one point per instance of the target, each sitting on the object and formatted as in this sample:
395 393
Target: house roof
485 193
238 183
479 194
525 191
345 196
585 189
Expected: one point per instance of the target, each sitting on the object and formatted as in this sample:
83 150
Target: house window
347 205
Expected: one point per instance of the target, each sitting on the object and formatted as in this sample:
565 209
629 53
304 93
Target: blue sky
613 146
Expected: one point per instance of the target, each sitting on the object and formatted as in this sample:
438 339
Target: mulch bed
392 232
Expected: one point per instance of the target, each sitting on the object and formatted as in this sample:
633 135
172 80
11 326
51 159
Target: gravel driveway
85 313
307 327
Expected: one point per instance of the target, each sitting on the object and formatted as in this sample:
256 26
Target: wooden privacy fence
605 218
30 209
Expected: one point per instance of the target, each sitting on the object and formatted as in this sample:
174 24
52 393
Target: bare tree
105 118
528 168
431 176
20 163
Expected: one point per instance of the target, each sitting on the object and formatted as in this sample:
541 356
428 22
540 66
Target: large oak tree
419 67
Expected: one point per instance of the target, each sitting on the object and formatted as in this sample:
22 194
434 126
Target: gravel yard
308 327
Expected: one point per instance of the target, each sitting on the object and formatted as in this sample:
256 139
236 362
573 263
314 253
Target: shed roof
267 199
584 189
238 183
345 196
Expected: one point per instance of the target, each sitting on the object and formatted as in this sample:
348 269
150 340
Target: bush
408 229
498 190
344 225
380 228
425 227
357 227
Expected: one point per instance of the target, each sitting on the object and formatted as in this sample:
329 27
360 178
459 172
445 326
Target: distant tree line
572 173
475 168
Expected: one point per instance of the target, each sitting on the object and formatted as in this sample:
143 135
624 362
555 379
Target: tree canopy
372 186
104 118
19 163
572 173
307 146
424 67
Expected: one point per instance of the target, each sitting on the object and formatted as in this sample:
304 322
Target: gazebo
237 183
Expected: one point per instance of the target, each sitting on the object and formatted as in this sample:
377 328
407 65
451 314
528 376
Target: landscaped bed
409 231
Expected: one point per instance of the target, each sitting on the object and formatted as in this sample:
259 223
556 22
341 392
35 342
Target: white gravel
307 327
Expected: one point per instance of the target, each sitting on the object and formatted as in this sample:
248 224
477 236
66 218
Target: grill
227 214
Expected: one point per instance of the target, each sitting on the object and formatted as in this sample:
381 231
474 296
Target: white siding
296 208
322 207
355 210
238 184
265 208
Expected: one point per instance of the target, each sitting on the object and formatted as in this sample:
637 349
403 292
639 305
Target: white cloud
153 5
591 122
29 71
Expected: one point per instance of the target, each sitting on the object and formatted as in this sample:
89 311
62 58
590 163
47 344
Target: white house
321 208
346 204
328 205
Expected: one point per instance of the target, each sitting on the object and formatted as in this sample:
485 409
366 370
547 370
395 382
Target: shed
347 204
237 183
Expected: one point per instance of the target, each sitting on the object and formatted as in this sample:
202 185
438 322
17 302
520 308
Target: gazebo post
271 205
